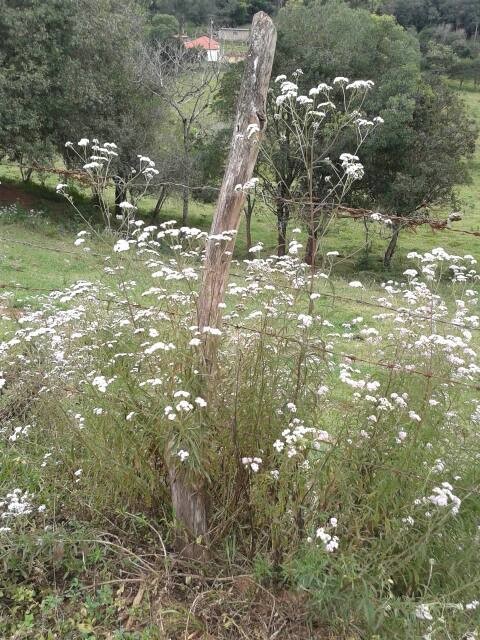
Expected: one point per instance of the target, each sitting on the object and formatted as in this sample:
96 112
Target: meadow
337 438
55 225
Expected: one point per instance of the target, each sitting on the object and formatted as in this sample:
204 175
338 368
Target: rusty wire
251 277
340 211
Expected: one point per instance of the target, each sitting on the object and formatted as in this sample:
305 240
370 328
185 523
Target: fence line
354 358
76 174
351 212
55 249
311 348
257 278
366 303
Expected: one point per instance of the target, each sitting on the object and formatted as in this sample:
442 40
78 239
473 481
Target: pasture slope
374 532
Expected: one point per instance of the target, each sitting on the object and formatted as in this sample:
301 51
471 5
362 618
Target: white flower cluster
443 496
298 438
252 463
352 166
329 540
17 503
101 383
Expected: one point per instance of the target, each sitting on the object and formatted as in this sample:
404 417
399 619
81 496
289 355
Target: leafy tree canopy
200 12
60 81
331 39
163 27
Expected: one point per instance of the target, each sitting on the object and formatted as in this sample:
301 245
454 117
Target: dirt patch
236 610
31 198
10 313
14 194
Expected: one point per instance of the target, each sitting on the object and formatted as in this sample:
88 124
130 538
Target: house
211 46
234 34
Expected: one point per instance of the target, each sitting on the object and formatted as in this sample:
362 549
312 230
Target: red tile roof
204 42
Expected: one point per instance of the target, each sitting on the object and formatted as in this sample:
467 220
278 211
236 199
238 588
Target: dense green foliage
417 156
449 31
60 80
200 12
460 14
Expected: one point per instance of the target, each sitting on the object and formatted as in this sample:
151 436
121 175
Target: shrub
339 451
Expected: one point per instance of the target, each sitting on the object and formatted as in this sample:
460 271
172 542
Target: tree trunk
120 196
392 245
185 203
248 209
189 502
283 215
186 173
311 248
160 202
26 173
188 493
281 238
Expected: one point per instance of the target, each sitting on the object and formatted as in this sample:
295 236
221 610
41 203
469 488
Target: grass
347 237
94 565
94 568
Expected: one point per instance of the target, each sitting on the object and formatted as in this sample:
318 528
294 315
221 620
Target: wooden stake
250 123
189 497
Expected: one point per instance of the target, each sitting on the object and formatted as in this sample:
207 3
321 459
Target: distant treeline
448 30
200 12
420 14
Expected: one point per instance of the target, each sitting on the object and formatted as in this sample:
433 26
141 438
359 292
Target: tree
196 11
33 39
232 11
260 5
163 27
62 82
337 40
281 167
185 83
415 13
436 158
439 58
461 14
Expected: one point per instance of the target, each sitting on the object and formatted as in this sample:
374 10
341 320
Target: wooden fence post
189 496
250 123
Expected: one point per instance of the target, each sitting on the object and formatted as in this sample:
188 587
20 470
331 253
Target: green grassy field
33 245
92 575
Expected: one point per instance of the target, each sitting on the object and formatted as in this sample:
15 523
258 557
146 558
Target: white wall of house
212 55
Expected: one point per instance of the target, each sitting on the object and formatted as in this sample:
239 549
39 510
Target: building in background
211 47
233 34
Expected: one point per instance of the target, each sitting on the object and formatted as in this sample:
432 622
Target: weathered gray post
250 123
189 497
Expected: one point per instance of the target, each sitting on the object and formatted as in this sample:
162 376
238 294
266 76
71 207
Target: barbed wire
311 347
54 249
68 173
355 213
355 358
407 369
77 174
405 221
257 278
367 303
